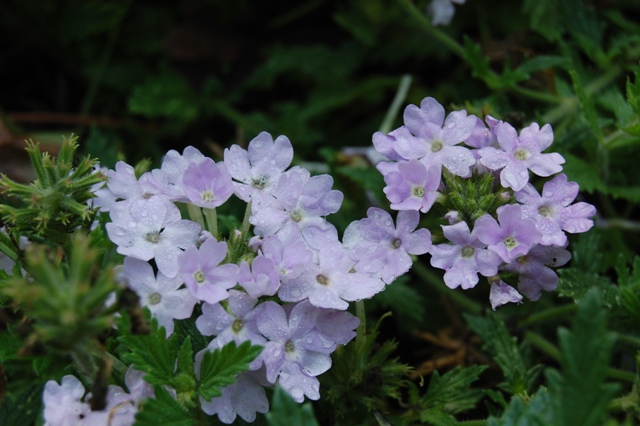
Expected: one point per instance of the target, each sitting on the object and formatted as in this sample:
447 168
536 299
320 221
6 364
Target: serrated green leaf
503 349
545 18
543 62
220 367
286 412
23 408
575 283
584 360
438 417
162 410
185 358
450 393
152 353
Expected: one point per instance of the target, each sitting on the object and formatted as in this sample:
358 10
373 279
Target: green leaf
576 283
23 408
152 353
584 360
163 410
220 367
479 63
503 349
286 412
535 412
405 301
585 174
450 393
545 18
542 62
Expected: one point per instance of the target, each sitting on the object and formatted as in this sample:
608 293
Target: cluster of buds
498 224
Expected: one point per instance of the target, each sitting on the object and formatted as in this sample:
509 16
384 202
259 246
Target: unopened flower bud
452 217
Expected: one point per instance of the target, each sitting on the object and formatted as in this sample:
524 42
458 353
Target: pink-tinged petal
326 297
458 127
167 260
574 218
458 233
273 356
458 160
315 363
507 137
545 164
560 190
385 145
455 278
487 230
182 234
298 384
430 111
237 161
515 175
357 286
297 289
274 324
406 222
493 158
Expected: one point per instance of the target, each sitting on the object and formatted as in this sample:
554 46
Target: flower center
153 237
155 298
396 243
545 211
521 154
510 242
436 146
289 346
199 277
523 259
207 196
322 279
418 192
237 326
467 251
296 217
260 182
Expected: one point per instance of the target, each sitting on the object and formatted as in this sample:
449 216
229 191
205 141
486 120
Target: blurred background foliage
134 78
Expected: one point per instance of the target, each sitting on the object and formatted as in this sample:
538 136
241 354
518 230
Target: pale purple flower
513 237
290 259
244 398
162 295
202 273
520 154
464 259
207 184
501 294
151 228
331 283
123 184
552 211
120 410
383 248
295 352
62 402
413 186
437 137
258 169
385 143
261 278
298 210
103 198
535 274
168 178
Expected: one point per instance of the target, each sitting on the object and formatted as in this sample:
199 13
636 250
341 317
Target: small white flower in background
441 11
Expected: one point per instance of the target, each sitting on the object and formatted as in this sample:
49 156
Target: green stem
625 403
632 340
245 222
398 100
551 313
450 43
436 283
195 213
212 222
84 362
361 336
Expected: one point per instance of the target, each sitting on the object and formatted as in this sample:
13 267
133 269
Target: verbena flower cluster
499 225
286 288
286 283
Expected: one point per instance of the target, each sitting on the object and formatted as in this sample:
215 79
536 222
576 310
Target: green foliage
405 302
163 410
284 411
446 395
531 412
220 367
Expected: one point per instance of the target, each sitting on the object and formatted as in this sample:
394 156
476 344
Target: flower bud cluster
498 224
